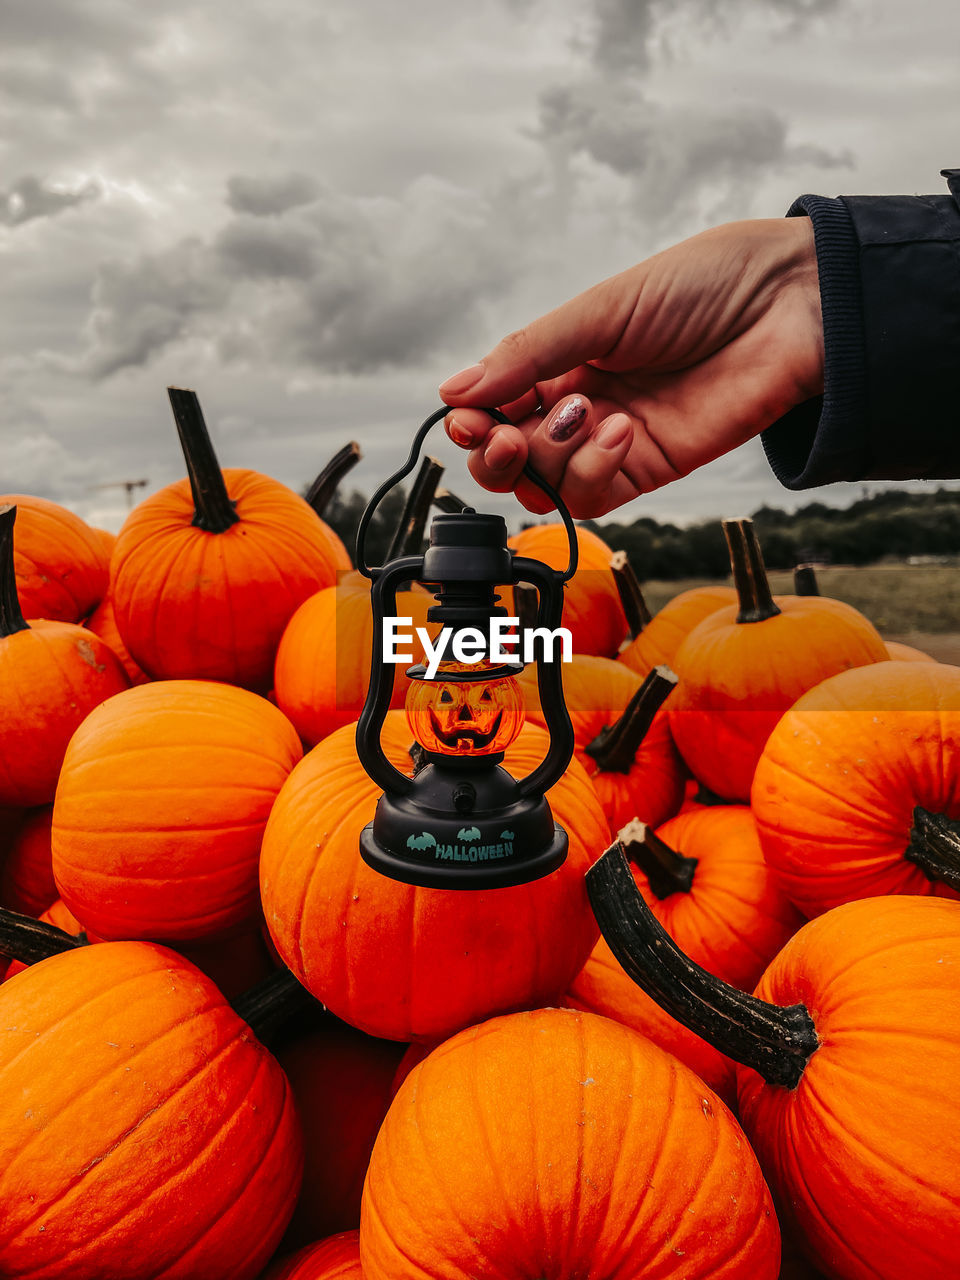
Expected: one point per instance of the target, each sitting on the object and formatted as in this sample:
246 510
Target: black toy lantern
463 822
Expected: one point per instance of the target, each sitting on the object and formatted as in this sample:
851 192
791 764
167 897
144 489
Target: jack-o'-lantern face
465 717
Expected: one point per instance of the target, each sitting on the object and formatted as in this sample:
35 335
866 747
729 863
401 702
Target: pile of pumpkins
751 1075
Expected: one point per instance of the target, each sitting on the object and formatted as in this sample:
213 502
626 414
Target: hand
651 373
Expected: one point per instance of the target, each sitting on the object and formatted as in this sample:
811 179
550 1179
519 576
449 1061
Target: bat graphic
423 841
468 833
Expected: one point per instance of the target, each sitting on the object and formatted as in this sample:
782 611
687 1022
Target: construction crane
128 485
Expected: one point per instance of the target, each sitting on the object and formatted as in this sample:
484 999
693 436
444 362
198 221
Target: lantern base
503 839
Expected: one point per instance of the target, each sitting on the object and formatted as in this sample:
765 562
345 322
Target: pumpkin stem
776 1042
805 580
667 871
268 1007
749 575
11 615
615 747
213 509
408 538
29 941
449 503
631 595
935 846
324 487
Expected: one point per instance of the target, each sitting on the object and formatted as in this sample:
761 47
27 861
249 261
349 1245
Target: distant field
918 605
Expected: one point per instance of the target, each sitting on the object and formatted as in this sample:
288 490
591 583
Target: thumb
585 328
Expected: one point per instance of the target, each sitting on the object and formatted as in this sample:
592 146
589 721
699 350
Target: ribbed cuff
825 439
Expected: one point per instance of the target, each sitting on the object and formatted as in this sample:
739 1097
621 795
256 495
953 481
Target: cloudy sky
314 210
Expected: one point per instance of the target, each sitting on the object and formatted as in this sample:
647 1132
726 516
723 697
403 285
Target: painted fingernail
499 453
613 433
459 435
569 418
462 381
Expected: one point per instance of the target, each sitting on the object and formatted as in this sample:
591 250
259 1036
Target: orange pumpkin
337 1258
144 1130
621 737
161 806
342 1084
61 563
658 642
592 608
323 662
590 1152
51 675
850 1051
704 878
405 962
898 652
103 623
846 778
739 670
870 1136
207 572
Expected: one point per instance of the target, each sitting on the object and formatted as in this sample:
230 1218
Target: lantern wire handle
533 476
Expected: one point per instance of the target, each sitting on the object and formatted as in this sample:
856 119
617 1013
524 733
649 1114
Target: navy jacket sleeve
889 271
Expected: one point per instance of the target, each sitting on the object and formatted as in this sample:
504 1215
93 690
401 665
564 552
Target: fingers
551 443
593 470
576 456
583 329
498 461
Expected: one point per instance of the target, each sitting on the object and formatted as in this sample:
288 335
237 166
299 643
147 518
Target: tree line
892 523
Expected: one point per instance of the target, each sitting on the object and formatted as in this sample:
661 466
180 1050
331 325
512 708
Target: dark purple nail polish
567 421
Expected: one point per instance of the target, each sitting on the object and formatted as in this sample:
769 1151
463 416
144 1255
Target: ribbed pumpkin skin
199 605
103 622
51 676
737 680
595 691
836 786
591 602
410 963
590 1152
663 635
144 1131
732 922
60 562
323 662
342 1083
863 1154
337 1258
735 919
898 652
603 988
26 873
161 807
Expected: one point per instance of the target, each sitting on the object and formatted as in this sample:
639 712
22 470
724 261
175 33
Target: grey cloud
31 198
344 284
622 33
672 155
678 160
272 250
265 196
141 307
